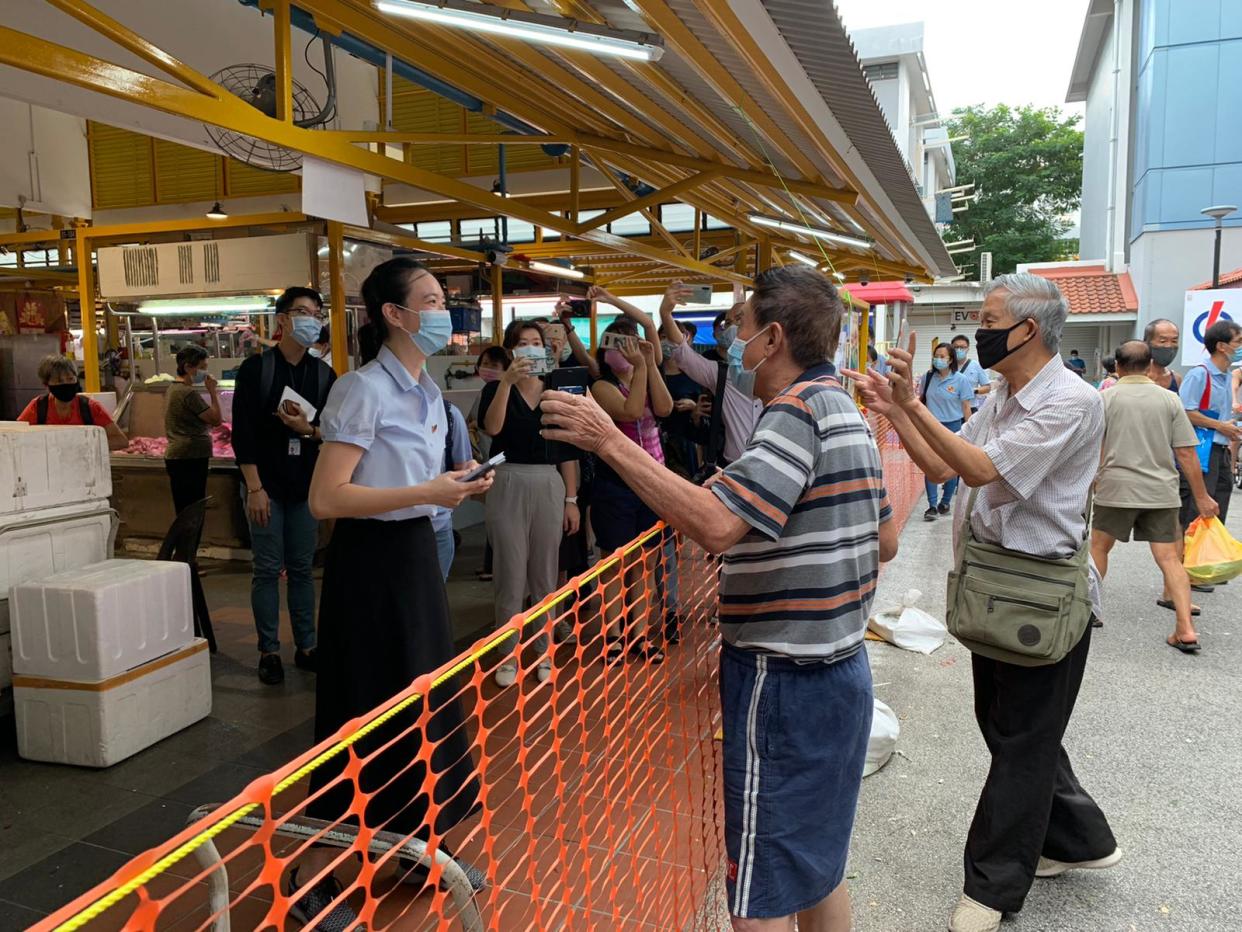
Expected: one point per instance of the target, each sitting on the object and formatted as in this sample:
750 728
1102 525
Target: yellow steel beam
336 310
663 195
593 199
282 30
126 38
398 137
575 181
392 238
625 192
86 307
40 56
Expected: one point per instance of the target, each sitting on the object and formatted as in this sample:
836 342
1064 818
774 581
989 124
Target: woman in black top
533 502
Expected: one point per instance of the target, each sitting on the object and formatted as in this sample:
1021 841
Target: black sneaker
271 671
930 514
306 908
943 508
306 660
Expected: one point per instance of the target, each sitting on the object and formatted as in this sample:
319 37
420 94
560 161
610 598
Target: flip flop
1186 647
1168 603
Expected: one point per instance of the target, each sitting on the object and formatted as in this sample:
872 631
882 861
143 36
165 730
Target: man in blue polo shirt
1208 399
974 373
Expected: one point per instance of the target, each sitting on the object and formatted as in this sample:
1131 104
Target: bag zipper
997 569
993 599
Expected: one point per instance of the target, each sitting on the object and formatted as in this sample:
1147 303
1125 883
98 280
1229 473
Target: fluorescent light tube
551 268
818 233
805 260
529 27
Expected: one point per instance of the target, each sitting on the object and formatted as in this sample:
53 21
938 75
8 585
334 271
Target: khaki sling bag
1014 607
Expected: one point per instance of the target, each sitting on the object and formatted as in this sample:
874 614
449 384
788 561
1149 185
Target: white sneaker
543 672
506 674
972 916
1050 868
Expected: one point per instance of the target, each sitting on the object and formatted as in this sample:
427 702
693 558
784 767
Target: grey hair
1032 297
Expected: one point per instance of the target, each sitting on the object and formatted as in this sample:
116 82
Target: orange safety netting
597 804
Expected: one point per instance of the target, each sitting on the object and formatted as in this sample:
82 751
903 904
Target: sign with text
1204 308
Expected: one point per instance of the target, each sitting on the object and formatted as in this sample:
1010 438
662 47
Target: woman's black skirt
384 621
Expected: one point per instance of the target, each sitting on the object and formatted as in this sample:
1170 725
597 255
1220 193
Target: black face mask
1162 355
992 346
65 393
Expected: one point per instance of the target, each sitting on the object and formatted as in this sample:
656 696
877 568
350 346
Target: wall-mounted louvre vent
211 262
880 71
185 263
142 266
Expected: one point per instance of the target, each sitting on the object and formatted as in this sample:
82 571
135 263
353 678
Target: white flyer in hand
308 409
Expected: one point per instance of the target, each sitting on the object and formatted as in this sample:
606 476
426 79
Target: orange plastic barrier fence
597 802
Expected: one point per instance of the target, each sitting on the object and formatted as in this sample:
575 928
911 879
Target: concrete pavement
1156 738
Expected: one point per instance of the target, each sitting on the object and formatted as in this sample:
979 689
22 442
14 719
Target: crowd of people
757 451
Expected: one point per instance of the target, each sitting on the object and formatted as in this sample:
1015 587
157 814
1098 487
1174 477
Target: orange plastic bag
1212 555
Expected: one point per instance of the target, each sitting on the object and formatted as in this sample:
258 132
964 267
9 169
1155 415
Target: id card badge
295 446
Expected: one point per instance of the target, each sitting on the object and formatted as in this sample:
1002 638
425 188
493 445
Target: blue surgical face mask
434 329
314 351
306 330
940 362
743 379
960 353
200 376
1237 354
727 336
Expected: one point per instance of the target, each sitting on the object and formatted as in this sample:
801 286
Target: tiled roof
1227 280
1092 289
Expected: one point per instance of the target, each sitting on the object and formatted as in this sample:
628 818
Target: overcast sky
978 54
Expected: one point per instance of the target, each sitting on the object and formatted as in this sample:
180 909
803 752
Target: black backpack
84 407
267 377
449 436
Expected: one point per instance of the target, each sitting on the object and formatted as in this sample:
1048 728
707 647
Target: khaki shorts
1158 525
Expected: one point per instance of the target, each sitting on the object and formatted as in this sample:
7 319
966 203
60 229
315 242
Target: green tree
1026 165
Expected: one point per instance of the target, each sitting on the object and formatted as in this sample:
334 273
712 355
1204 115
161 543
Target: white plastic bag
884 732
909 627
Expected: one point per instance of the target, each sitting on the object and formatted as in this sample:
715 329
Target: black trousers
1032 804
1219 482
189 481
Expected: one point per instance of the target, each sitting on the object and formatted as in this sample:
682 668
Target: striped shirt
1044 440
810 486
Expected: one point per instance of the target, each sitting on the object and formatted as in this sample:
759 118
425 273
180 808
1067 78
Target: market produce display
221 444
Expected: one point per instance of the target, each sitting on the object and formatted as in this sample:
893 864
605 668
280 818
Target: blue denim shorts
795 740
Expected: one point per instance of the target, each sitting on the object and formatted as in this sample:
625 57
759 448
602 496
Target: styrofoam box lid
45 466
107 573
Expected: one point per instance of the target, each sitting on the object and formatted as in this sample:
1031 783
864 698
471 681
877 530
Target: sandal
1168 603
1186 647
642 649
614 649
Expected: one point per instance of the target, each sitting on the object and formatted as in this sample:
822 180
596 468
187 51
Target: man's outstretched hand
576 420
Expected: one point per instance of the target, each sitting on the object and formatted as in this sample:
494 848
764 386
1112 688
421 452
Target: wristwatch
571 499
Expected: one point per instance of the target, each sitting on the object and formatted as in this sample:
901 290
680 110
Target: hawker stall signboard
1204 308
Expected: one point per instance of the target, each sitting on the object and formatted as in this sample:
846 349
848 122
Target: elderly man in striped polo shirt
803 522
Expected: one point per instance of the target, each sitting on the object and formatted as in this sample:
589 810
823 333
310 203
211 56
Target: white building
893 63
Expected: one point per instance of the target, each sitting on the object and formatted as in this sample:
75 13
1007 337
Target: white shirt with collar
397 421
1044 440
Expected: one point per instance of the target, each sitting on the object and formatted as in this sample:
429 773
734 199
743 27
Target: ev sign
1204 308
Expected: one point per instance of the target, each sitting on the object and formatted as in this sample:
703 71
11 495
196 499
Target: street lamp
1218 214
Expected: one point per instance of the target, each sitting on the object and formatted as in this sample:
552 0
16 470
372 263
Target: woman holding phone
631 390
534 500
384 617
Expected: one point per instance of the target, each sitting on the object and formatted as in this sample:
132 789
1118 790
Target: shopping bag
883 740
909 627
1212 555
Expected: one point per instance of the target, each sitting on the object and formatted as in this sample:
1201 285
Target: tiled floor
64 829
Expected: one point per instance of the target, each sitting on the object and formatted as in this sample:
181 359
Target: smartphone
572 379
483 468
579 307
700 294
614 340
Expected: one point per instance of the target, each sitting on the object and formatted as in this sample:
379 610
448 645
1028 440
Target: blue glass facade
1188 122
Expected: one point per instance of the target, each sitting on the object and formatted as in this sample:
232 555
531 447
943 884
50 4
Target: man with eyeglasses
276 447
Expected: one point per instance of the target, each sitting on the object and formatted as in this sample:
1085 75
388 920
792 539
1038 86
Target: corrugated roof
816 35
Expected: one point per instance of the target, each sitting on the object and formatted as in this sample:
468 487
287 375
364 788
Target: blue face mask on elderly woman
434 329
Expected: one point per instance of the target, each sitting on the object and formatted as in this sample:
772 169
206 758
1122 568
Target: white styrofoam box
42 467
6 663
89 624
38 543
99 724
106 400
